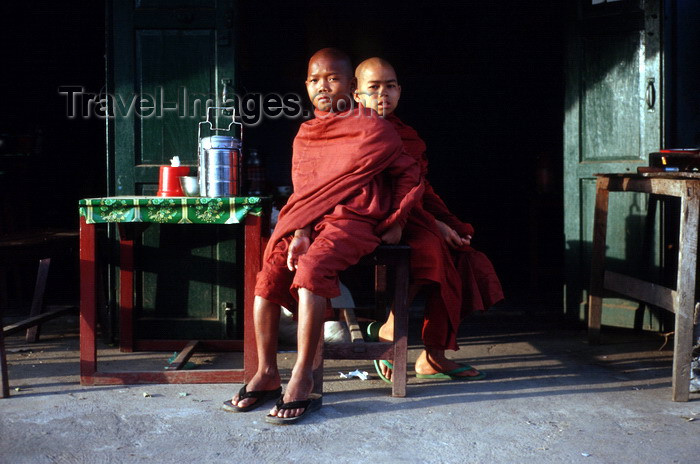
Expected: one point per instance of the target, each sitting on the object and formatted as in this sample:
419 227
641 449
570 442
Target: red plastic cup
169 182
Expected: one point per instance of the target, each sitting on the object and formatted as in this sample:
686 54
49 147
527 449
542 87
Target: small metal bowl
190 185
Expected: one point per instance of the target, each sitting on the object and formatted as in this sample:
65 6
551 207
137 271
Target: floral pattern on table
170 210
208 211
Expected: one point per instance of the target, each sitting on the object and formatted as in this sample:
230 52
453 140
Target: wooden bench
32 324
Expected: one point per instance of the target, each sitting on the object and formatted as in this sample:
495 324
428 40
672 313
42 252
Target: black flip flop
261 395
312 403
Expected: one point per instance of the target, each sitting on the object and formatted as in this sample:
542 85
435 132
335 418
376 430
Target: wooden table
681 301
175 210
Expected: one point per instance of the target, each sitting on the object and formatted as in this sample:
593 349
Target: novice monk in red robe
353 188
458 279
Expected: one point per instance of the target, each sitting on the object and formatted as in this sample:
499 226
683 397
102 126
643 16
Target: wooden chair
394 258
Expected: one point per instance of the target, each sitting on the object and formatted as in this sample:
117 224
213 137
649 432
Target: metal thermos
219 160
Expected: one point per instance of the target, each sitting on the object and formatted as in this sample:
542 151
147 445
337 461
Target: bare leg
309 330
431 360
267 321
386 331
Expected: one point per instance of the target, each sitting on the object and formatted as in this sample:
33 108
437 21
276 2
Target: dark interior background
482 83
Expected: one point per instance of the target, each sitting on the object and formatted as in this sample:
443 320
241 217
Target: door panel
610 99
167 60
169 129
613 55
187 282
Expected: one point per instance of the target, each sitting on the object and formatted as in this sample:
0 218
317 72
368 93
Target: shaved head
372 64
329 81
377 85
333 54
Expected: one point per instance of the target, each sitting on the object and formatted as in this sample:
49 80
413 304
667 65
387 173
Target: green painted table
170 210
128 211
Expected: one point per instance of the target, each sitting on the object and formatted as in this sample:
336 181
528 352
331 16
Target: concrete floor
549 398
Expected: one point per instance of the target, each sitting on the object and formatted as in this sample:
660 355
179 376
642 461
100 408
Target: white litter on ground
362 375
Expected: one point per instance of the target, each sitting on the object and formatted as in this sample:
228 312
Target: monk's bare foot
260 381
298 389
386 334
434 361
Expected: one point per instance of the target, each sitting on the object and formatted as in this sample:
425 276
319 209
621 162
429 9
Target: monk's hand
451 236
298 246
467 240
393 235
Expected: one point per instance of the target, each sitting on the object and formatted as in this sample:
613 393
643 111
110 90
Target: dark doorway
482 83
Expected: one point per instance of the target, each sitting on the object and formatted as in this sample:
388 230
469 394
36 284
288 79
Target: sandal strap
460 369
300 404
244 393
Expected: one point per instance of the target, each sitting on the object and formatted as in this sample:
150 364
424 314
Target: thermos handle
201 153
217 129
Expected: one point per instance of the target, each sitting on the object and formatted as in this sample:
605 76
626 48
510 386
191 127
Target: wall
683 67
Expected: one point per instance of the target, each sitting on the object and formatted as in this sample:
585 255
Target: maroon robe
352 182
476 282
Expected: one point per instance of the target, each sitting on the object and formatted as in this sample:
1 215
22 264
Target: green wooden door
167 62
613 121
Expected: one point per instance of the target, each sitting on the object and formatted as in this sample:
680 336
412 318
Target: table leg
684 305
88 302
252 262
600 226
126 289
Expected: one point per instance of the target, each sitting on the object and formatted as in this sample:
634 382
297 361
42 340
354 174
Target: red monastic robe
471 273
352 182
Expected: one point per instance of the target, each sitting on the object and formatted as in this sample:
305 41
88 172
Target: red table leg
88 302
252 264
126 290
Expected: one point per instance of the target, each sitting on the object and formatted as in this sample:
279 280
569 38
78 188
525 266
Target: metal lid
220 141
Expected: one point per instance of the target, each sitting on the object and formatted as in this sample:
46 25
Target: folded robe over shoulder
348 164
